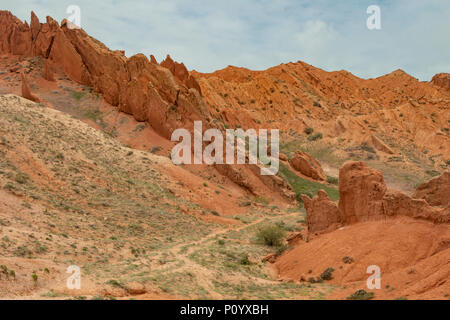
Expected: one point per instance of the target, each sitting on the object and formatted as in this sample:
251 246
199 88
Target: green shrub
114 283
21 178
361 295
327 274
315 136
244 260
308 130
347 260
332 180
271 235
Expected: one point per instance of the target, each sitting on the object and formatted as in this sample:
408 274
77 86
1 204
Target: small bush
347 260
155 149
308 130
114 283
262 200
327 274
332 180
361 295
21 178
271 235
315 136
244 260
315 280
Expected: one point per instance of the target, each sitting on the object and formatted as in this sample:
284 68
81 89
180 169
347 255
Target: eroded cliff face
164 95
391 113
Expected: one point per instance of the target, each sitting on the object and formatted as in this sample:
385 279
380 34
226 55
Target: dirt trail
207 275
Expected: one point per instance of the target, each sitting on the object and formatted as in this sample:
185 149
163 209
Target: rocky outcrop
167 98
365 197
361 191
15 36
398 204
436 191
322 213
26 91
181 73
442 80
48 73
307 165
249 178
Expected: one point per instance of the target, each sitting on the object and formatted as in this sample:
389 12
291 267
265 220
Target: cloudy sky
208 35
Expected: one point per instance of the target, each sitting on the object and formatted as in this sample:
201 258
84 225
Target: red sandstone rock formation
26 91
48 74
364 197
361 190
307 165
153 59
398 204
15 36
442 80
148 91
323 213
166 95
436 191
180 73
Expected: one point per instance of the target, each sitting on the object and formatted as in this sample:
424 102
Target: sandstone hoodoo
366 229
26 91
322 213
361 190
365 197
